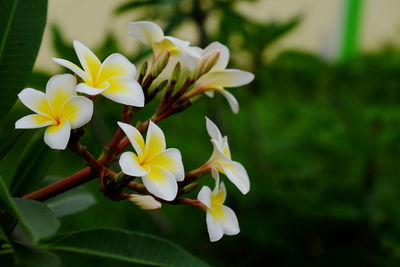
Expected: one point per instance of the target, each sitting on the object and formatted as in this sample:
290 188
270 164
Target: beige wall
88 21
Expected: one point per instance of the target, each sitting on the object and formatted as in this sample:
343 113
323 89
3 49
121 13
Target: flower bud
145 202
190 187
119 176
160 64
176 72
162 84
209 61
143 69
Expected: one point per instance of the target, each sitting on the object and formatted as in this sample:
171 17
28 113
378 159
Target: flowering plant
188 73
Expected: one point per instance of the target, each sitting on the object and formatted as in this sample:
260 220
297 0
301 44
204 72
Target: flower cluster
153 174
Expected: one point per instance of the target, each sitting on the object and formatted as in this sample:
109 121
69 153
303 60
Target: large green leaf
37 218
21 28
33 166
70 202
6 202
126 246
34 216
32 256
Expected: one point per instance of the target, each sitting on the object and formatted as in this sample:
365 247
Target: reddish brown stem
81 177
188 201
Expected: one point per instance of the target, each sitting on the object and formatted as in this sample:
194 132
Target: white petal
36 101
78 110
75 68
161 183
223 59
230 224
125 90
195 51
90 63
59 89
90 90
130 165
209 93
225 147
233 103
219 193
218 152
171 160
226 78
145 31
57 136
215 175
189 60
237 174
33 121
134 137
204 196
176 42
168 43
155 140
214 228
116 65
213 130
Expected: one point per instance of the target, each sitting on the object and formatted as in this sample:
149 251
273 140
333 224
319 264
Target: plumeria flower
219 77
160 168
222 162
220 218
59 109
145 202
114 78
151 34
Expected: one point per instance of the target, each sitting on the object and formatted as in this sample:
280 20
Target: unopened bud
209 61
145 202
119 176
143 68
176 72
160 64
190 187
162 84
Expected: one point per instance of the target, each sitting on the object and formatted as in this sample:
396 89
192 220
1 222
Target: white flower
219 77
220 218
145 202
151 34
222 162
114 78
59 109
160 168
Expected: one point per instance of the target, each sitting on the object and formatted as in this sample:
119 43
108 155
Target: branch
81 177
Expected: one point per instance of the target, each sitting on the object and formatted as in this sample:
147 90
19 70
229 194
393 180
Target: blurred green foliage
320 142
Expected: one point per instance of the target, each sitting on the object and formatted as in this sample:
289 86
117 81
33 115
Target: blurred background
318 130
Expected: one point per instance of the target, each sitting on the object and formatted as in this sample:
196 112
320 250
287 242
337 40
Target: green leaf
37 218
21 28
7 205
6 202
34 216
32 256
33 166
126 246
6 147
71 202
